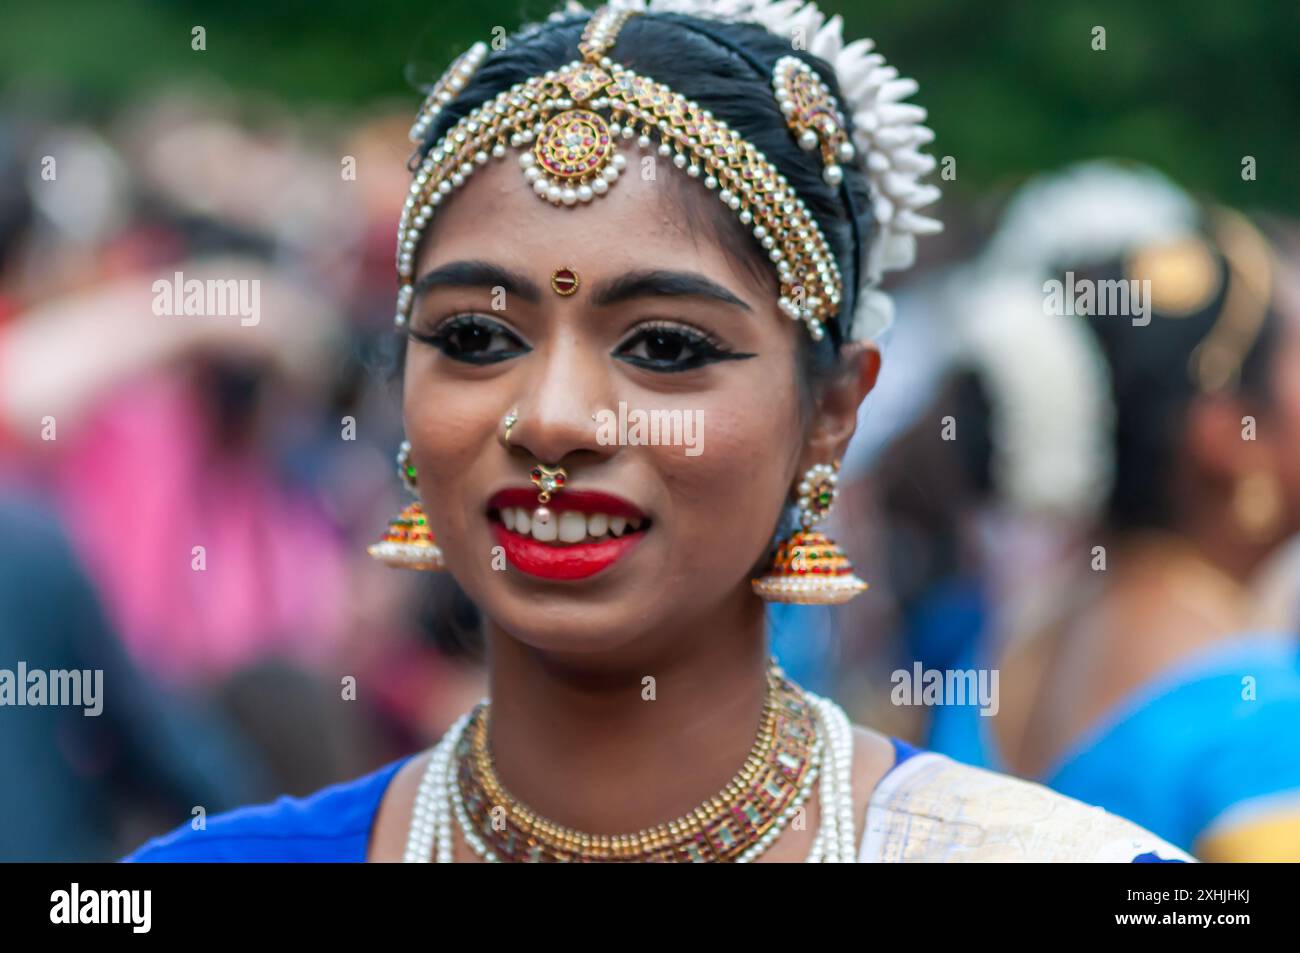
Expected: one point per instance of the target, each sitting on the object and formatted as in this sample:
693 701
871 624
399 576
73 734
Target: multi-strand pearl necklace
438 799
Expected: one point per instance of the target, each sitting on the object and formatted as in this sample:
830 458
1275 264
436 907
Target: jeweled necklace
738 825
773 784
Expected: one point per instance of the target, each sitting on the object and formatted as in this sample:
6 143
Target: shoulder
393 817
932 808
875 754
332 824
1241 699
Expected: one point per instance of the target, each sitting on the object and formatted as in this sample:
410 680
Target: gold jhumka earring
408 543
809 567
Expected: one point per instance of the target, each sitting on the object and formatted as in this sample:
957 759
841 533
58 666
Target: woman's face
664 320
1283 416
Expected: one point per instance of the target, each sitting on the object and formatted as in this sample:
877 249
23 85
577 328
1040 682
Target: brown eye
671 348
473 339
470 340
660 346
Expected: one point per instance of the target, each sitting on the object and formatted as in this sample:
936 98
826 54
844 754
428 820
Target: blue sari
1206 755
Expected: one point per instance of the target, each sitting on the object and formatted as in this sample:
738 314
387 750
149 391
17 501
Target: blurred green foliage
1012 86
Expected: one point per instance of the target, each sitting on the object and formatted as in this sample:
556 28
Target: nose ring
509 420
548 480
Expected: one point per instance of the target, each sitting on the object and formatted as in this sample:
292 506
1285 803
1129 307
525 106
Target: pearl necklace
438 800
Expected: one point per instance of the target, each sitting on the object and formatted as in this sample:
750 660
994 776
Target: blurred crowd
1069 500
185 501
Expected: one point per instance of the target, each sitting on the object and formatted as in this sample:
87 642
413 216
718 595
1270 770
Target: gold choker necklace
737 824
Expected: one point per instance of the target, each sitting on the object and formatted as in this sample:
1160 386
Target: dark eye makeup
663 346
470 338
672 348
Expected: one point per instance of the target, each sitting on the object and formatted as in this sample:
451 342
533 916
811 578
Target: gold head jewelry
1185 277
568 123
812 114
1183 274
1215 364
460 72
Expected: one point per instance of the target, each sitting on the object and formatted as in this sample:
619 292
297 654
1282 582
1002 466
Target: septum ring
548 480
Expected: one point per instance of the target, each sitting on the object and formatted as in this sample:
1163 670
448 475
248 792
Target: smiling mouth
574 536
567 527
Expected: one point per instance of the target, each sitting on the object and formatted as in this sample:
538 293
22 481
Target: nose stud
508 421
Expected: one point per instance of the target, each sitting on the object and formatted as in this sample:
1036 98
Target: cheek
447 424
728 499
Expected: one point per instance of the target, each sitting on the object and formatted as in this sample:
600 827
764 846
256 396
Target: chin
571 624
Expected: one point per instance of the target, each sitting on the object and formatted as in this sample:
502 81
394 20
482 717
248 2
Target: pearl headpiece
568 121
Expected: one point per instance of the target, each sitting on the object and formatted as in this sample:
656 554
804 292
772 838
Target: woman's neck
613 744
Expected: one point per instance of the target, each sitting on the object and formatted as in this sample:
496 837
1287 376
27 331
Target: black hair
1153 388
726 68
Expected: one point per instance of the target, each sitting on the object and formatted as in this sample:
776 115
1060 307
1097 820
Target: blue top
331 826
1188 756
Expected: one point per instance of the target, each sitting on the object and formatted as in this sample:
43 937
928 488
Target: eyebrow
478 274
663 283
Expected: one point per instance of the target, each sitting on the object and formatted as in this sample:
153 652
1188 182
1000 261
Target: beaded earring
809 567
408 543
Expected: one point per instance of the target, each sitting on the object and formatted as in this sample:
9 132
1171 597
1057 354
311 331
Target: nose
556 423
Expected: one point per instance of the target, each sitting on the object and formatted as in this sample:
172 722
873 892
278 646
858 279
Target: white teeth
568 526
573 527
545 528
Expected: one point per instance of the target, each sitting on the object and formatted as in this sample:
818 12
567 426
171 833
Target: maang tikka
809 567
567 125
408 542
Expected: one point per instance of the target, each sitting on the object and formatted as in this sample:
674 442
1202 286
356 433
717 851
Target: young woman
1145 678
672 214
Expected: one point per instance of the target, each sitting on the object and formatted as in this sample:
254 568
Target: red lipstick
575 561
565 561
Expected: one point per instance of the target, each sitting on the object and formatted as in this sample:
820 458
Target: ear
836 416
1221 441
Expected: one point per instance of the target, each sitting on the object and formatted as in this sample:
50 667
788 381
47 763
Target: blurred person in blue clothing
78 786
1137 673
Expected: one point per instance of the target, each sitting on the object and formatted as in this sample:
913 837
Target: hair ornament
567 122
460 72
814 119
564 125
887 134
